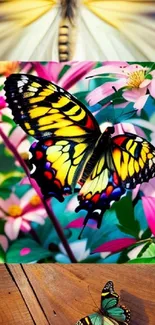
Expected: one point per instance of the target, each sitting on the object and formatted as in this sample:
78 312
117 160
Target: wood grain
44 294
63 290
13 309
28 294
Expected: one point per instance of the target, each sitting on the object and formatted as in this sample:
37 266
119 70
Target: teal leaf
125 214
26 251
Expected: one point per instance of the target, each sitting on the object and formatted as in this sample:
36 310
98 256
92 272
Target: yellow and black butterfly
110 313
71 148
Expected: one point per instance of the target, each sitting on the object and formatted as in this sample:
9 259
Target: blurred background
77 30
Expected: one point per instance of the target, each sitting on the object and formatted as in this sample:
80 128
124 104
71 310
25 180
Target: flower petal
75 73
36 216
115 245
4 242
107 89
12 227
139 104
151 88
27 197
149 209
12 200
133 94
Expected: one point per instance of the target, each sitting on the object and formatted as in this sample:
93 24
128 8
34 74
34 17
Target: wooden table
44 294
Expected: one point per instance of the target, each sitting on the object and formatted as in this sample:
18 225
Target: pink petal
145 83
133 94
119 64
78 223
12 228
12 200
4 242
2 102
149 209
151 88
36 216
149 188
115 245
108 68
25 251
75 73
139 104
25 226
27 197
17 136
104 91
135 191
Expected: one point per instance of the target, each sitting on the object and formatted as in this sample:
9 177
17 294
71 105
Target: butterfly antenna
81 232
93 298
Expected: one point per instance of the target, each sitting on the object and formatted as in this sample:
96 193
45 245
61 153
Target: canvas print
65 30
77 162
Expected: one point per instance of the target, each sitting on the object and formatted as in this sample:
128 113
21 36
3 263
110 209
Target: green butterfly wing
93 319
109 302
109 298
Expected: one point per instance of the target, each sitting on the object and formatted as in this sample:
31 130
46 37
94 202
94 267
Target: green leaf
2 255
149 76
5 193
63 71
125 214
8 119
150 251
150 260
16 251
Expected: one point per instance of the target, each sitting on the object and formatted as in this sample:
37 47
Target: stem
49 211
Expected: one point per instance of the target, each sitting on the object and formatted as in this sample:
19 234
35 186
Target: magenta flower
19 213
2 102
149 209
135 81
115 245
76 72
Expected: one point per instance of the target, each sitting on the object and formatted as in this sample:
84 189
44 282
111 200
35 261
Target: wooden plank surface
60 294
64 293
13 309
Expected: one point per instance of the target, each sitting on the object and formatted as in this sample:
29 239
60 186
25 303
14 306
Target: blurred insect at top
63 30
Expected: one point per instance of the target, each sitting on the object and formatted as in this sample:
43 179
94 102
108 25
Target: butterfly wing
101 188
128 161
94 319
57 164
44 109
125 17
66 131
134 159
109 302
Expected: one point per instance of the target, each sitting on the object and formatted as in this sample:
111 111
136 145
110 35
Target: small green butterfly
109 313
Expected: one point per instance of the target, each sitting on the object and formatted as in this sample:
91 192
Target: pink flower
131 78
76 71
19 213
2 102
115 245
149 209
4 242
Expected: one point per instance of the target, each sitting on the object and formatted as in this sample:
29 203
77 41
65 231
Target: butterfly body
71 149
110 312
67 29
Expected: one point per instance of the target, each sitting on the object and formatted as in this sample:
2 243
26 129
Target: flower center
136 78
24 155
35 200
14 211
